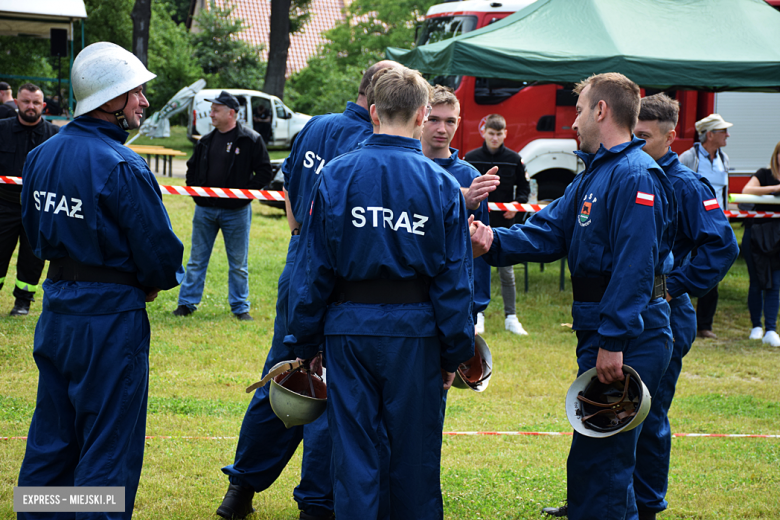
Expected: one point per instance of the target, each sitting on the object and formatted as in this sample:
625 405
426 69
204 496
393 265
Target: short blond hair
621 95
444 96
399 93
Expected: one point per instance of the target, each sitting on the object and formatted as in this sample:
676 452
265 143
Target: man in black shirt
232 156
7 105
19 135
513 188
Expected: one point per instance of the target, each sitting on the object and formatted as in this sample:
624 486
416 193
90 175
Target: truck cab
266 114
539 116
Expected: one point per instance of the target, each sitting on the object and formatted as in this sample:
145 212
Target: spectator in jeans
513 188
708 160
761 247
231 156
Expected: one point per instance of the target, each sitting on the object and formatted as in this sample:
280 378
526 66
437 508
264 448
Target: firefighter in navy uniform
436 137
18 136
387 244
616 223
701 225
264 444
93 209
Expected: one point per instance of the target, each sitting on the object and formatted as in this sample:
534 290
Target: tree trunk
142 17
279 43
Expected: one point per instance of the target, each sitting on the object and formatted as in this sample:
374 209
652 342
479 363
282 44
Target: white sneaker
772 338
756 333
480 327
512 325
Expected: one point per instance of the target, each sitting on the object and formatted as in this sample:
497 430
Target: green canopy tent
695 44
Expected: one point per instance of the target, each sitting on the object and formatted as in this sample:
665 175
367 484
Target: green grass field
200 366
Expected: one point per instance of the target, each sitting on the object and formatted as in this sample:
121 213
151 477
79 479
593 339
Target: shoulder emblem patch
711 204
645 199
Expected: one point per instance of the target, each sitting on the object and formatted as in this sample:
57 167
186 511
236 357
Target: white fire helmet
297 396
103 71
598 410
476 372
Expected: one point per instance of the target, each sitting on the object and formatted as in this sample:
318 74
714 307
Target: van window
241 116
492 91
280 112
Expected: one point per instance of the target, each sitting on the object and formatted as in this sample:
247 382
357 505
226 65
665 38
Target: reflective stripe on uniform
26 286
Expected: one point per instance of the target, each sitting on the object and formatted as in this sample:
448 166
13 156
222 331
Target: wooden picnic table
167 154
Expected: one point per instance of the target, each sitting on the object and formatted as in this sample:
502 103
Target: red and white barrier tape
278 196
520 208
454 434
223 193
751 214
10 180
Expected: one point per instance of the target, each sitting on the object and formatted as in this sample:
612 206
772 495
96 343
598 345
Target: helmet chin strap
121 120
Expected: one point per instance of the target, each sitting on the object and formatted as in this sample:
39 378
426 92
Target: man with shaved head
265 445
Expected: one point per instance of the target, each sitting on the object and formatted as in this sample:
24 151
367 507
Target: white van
266 114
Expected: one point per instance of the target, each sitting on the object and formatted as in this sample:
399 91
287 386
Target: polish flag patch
711 204
645 199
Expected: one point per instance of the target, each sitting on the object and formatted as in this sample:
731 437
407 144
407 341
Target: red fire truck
539 117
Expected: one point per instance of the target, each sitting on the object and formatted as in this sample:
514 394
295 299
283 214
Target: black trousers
28 266
705 309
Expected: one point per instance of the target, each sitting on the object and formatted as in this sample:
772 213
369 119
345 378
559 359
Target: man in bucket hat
709 160
231 156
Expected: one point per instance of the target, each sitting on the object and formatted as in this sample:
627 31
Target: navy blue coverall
701 225
385 212
465 173
87 197
265 446
617 220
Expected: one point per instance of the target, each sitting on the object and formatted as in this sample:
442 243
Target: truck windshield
445 27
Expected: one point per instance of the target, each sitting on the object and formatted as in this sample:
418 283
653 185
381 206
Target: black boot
21 308
237 503
558 512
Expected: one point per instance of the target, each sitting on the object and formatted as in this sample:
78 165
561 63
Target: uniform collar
394 140
96 126
605 154
357 112
449 161
667 160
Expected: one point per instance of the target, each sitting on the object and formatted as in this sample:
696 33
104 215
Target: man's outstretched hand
480 188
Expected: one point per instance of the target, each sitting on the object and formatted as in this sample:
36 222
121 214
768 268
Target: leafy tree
331 78
107 21
179 9
142 17
170 57
26 56
226 60
287 17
